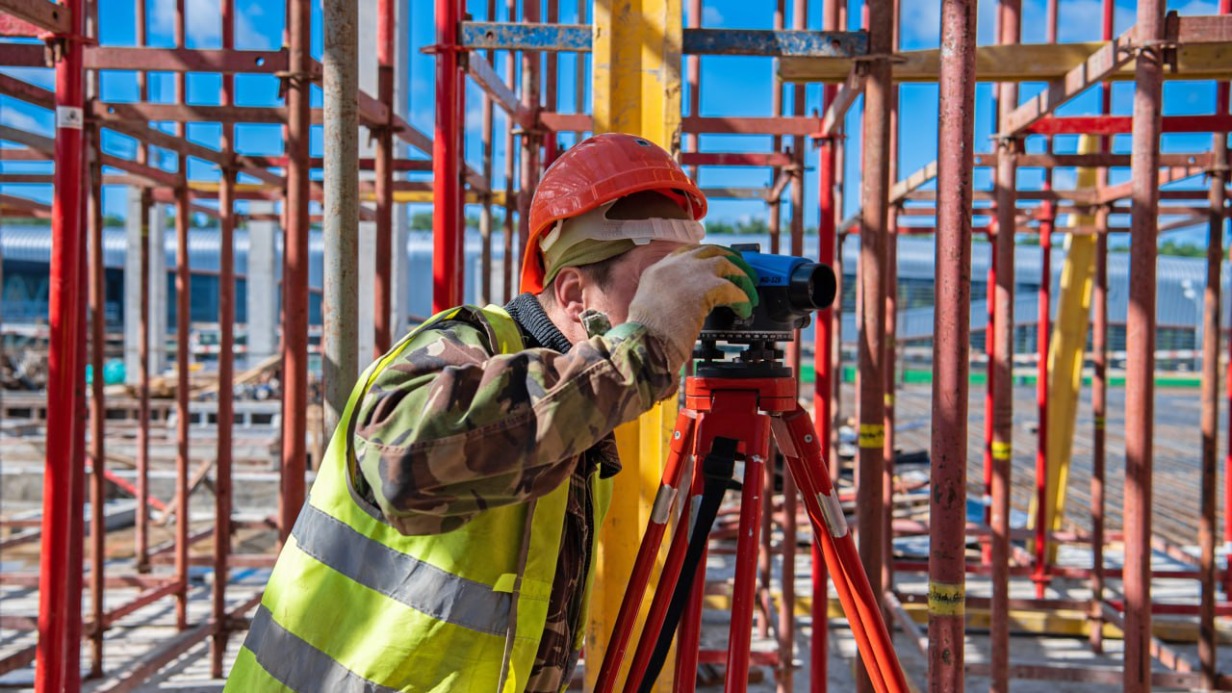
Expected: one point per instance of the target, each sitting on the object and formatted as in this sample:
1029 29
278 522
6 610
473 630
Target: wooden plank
1113 193
1020 63
913 182
836 112
1081 77
485 76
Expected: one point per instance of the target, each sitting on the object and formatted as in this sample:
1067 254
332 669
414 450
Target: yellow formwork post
1067 351
636 66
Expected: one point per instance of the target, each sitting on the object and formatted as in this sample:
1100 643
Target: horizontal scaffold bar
577 38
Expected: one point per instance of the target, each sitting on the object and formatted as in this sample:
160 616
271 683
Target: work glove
675 295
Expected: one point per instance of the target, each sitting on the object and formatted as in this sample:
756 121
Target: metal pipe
77 497
1009 32
1140 376
1099 383
951 344
827 378
1042 519
98 403
530 141
183 321
823 387
776 142
511 152
226 364
340 302
387 23
693 77
446 163
485 211
1040 577
870 518
295 269
141 536
891 348
787 602
1207 636
989 376
550 84
1099 407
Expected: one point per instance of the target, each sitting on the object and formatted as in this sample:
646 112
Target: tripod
731 410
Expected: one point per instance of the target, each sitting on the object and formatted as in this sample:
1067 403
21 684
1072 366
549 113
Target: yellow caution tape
946 600
1002 451
872 436
889 400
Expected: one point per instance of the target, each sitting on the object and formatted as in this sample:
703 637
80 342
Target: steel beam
226 61
532 37
1120 125
48 16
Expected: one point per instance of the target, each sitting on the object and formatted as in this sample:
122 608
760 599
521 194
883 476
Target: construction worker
448 541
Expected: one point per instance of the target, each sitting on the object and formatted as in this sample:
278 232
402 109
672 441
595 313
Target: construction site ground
1176 518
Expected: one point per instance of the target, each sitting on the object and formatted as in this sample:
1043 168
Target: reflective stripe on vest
353 605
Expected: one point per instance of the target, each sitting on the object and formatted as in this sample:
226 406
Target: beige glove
675 295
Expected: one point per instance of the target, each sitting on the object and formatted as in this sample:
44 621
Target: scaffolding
643 55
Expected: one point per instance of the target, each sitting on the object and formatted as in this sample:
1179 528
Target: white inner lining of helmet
594 225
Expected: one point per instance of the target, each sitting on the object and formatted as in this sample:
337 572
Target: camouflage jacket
449 429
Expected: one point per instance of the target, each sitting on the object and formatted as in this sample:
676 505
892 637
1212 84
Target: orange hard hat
596 171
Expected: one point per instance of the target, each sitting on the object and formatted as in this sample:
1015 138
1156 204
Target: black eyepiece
811 286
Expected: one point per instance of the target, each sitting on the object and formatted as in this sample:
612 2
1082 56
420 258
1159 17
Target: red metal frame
59 608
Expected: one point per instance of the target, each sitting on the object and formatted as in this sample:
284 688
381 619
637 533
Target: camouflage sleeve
448 430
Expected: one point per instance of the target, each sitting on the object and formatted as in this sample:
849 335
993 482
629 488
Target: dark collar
536 325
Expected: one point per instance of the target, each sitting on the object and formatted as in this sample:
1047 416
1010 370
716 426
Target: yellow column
1067 351
636 54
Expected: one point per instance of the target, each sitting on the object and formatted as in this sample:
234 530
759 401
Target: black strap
717 468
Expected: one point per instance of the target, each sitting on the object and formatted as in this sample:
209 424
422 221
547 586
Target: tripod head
789 289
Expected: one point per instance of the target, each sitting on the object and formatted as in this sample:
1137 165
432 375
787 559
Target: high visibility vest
353 605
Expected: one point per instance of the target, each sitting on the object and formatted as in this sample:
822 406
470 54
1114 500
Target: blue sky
737 86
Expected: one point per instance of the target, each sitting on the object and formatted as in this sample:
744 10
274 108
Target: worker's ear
568 290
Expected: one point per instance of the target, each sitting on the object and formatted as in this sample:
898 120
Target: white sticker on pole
832 511
69 117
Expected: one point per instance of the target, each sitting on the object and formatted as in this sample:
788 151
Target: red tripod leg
795 435
744 591
652 539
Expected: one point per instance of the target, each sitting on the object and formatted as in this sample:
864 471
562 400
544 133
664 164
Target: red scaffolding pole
446 162
59 608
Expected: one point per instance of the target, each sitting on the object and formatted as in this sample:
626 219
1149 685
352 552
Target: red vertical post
1207 637
823 386
1140 375
775 221
550 84
142 523
951 344
826 376
1040 573
183 323
485 212
511 152
989 371
57 607
870 517
529 178
446 162
383 279
76 549
226 363
787 603
1099 384
891 338
295 269
1009 30
98 403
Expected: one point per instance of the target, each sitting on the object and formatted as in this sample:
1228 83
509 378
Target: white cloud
203 23
711 17
20 120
